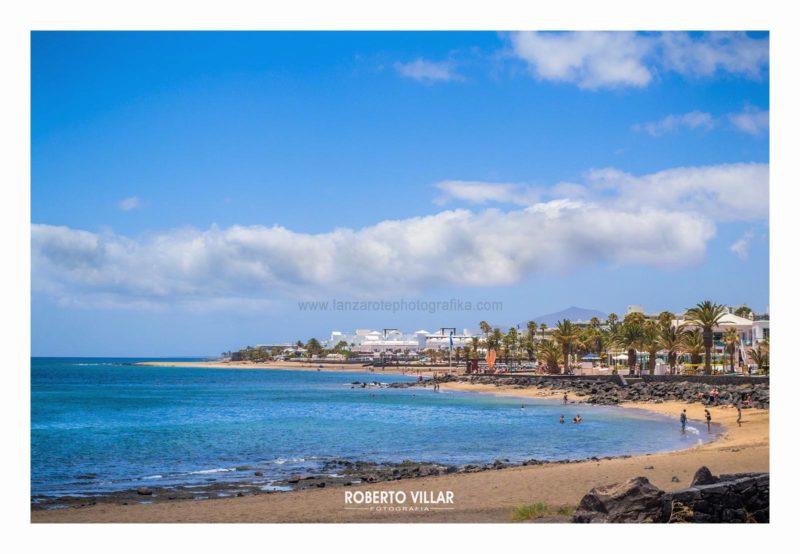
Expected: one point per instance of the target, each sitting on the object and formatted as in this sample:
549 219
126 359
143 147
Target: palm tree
529 345
565 336
671 340
473 355
706 315
651 343
760 357
495 339
731 338
629 338
693 345
665 318
485 328
743 311
543 328
529 342
314 347
510 342
549 352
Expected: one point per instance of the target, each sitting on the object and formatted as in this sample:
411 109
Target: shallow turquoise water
98 425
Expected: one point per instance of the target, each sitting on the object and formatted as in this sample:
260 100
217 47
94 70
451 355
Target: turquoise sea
101 425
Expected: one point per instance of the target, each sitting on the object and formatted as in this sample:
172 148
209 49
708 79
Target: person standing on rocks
708 420
683 421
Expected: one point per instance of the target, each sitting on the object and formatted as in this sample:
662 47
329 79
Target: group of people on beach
707 415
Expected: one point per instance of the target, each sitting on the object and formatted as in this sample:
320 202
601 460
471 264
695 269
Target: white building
393 340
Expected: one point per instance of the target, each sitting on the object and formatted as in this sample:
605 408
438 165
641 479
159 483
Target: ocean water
99 425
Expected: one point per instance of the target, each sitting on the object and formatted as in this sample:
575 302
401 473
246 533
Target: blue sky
188 189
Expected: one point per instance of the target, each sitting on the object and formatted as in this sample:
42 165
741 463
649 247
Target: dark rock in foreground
737 498
703 476
634 501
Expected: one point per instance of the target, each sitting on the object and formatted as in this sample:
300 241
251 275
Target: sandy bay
487 496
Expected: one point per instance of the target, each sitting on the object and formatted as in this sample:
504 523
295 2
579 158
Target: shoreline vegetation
707 339
480 495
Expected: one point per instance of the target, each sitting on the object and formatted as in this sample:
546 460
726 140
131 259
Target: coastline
411 370
485 496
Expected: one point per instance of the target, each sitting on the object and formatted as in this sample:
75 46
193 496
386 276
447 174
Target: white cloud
129 203
742 246
670 123
590 59
662 219
594 60
428 71
479 192
752 121
704 55
727 192
459 248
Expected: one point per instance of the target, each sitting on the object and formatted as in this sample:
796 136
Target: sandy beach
307 366
488 496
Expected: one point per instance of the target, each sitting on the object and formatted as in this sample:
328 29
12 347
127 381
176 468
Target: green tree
693 345
671 339
665 319
511 343
651 343
550 353
706 315
341 346
475 343
565 336
760 357
314 347
629 338
731 339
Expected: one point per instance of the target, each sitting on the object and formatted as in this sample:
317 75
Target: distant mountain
572 313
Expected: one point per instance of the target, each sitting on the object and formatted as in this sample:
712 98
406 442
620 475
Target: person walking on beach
683 421
739 415
565 398
708 420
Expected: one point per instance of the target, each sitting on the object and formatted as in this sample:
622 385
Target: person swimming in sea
561 419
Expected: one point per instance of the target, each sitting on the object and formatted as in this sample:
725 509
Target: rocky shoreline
334 473
345 473
607 392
